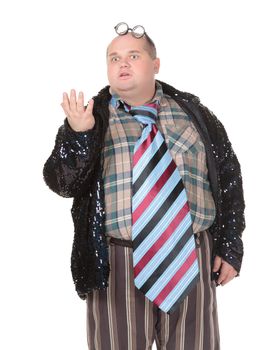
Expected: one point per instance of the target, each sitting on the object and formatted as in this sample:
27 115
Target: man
94 161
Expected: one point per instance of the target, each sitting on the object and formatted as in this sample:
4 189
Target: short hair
151 47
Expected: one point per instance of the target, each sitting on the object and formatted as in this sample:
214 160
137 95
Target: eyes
133 57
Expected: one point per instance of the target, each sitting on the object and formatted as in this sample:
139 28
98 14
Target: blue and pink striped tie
164 251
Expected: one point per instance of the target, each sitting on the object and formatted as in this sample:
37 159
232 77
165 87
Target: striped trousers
122 318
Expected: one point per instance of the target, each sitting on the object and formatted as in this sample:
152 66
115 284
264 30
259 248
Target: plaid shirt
186 148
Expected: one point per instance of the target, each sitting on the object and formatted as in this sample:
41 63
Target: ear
156 65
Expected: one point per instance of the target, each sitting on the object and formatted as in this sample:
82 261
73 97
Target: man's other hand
227 271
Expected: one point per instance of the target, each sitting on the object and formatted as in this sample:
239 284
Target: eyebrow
131 51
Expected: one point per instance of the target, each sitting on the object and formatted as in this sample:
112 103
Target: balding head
149 45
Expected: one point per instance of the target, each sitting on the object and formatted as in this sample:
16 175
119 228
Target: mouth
124 75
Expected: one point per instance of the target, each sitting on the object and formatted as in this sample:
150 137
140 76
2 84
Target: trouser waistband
118 241
129 243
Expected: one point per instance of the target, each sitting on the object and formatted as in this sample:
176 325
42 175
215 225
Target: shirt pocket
181 139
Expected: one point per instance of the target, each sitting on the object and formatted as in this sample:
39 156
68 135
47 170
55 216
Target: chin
124 86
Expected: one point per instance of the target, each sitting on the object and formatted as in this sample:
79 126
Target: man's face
129 65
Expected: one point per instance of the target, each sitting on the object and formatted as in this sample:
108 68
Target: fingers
65 104
217 263
78 117
89 107
227 279
80 106
71 106
73 101
227 273
223 274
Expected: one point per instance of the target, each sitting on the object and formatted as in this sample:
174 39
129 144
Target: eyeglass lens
138 31
122 28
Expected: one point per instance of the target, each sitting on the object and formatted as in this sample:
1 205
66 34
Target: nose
124 62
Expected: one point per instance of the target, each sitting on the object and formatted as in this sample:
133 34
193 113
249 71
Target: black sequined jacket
74 169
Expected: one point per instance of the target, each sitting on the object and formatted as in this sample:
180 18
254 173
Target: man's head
131 66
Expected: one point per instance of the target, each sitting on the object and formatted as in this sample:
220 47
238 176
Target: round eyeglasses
122 28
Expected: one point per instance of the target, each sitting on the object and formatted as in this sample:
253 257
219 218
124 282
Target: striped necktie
164 252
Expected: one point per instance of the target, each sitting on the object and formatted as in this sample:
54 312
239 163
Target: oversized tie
164 252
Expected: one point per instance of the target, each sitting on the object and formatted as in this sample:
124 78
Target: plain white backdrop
223 52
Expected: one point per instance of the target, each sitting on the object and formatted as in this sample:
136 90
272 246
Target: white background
222 51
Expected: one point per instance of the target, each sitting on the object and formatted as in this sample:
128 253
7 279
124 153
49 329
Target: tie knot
146 114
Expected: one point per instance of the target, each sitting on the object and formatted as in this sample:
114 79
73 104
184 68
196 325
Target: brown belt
118 241
129 243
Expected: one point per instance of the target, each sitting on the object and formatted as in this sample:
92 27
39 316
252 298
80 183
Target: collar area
116 101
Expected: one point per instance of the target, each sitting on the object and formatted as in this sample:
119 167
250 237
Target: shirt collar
116 101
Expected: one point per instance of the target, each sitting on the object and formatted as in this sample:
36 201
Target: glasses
122 28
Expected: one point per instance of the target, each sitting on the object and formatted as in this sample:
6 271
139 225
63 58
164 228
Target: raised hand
79 118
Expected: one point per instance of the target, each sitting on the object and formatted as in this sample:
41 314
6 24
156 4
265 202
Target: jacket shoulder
175 93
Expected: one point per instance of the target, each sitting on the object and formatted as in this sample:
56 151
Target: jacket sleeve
232 221
70 168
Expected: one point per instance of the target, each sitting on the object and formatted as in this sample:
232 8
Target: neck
137 99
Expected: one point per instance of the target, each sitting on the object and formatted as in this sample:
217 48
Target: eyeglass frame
132 30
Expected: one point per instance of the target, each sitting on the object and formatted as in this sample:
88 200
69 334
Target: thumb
89 105
217 263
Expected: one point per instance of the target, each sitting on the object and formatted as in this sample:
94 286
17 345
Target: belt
118 241
129 243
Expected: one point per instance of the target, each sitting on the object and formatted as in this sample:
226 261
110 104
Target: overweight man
158 205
